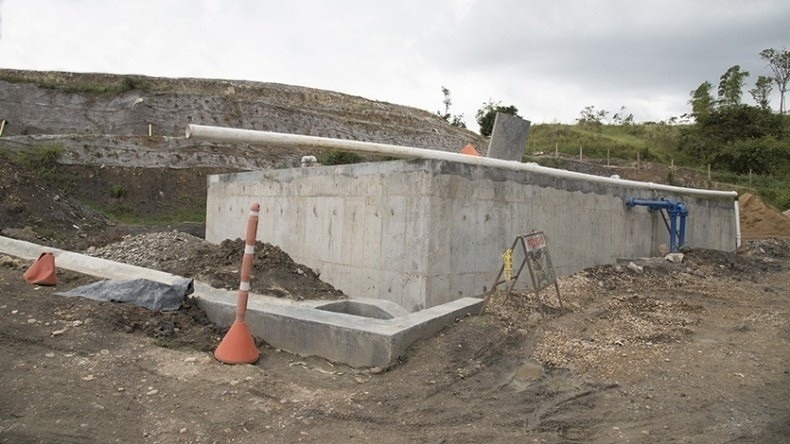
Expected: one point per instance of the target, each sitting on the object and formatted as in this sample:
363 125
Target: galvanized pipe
252 137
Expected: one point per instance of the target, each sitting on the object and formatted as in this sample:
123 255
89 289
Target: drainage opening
356 309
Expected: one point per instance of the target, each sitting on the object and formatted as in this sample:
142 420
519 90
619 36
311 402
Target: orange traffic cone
238 346
470 150
42 271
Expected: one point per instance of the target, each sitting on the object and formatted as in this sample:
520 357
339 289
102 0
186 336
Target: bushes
339 158
765 155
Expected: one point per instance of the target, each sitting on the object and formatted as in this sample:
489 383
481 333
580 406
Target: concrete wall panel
424 232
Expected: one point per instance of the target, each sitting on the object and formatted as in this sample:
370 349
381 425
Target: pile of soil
274 272
35 211
759 219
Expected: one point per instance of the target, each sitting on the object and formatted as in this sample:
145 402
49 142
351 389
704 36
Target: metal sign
538 260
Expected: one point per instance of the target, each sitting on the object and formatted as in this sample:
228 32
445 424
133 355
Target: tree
452 119
779 62
590 116
761 91
702 103
486 115
623 117
731 86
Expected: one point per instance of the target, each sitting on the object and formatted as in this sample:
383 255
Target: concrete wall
424 232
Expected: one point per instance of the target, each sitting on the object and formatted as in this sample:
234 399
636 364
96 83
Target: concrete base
360 333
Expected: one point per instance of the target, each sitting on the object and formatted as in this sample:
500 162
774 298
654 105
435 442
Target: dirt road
690 352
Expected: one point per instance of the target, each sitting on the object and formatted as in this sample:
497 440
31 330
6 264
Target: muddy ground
689 352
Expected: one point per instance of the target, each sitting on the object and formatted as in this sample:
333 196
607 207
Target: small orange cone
42 272
470 150
237 347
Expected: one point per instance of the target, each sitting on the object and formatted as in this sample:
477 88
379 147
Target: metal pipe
252 137
677 234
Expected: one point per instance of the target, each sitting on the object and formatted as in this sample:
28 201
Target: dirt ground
689 352
653 351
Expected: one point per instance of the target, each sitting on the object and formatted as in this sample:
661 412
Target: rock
190 359
529 371
377 370
635 268
675 258
277 291
663 250
152 392
88 378
10 262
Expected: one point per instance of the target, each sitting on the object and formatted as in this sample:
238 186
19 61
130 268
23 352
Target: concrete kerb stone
300 327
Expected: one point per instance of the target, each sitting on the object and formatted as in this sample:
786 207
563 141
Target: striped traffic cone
238 346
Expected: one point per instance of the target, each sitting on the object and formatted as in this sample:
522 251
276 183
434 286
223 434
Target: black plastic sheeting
152 295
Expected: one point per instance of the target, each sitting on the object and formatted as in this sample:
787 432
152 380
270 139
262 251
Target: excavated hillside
82 141
57 103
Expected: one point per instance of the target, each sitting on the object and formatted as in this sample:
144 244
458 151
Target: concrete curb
301 327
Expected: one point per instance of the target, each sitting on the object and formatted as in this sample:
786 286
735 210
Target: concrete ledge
349 335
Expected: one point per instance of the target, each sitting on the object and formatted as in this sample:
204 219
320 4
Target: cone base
237 347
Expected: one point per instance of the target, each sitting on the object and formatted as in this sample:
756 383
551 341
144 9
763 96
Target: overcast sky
549 58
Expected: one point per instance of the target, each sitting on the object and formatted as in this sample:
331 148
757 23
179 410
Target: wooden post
150 130
580 153
607 157
672 163
556 150
637 160
750 174
708 172
2 127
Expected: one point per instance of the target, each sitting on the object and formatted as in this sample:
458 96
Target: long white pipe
235 135
737 224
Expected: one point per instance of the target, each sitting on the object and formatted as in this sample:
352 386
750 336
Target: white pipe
235 135
737 224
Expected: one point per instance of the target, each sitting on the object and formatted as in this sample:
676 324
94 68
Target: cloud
548 58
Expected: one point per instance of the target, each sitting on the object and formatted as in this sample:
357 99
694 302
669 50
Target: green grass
122 212
653 142
42 159
80 84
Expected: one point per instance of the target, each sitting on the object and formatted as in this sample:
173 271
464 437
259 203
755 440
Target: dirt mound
274 272
761 220
32 210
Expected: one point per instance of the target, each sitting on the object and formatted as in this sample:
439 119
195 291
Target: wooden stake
150 130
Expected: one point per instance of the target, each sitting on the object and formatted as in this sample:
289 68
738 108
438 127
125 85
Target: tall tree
731 86
452 119
779 62
592 117
702 103
486 115
761 91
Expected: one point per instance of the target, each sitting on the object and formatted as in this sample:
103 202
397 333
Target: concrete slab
508 138
359 332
